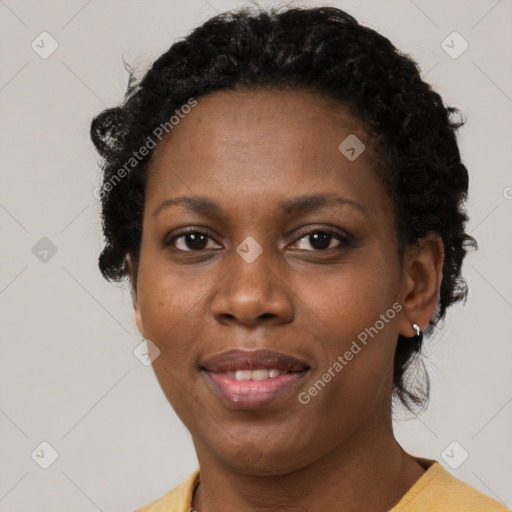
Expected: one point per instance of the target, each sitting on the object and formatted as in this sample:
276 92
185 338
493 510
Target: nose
253 293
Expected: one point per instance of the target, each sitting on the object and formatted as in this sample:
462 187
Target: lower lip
250 394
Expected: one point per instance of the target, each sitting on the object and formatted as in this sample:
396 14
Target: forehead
292 119
249 142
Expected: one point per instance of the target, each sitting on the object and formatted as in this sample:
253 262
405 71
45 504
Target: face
317 280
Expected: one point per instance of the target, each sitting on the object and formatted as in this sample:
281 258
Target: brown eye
321 240
190 241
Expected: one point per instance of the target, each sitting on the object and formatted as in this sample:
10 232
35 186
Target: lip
251 394
236 359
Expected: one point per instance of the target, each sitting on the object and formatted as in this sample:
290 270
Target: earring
418 337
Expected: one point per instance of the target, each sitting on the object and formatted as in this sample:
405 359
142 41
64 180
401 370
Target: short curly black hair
327 51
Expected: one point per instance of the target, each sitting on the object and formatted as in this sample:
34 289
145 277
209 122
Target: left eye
320 240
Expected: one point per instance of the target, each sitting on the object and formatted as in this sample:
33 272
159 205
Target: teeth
243 375
259 374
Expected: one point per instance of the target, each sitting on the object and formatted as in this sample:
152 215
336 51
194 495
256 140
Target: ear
423 272
132 273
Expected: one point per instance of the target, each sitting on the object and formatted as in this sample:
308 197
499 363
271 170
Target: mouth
253 379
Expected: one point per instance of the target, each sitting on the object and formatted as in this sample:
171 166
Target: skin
248 151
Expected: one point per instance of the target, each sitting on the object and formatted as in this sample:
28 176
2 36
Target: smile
253 379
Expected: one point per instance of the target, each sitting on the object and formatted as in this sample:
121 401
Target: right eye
191 240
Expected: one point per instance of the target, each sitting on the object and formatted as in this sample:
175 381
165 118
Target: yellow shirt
435 491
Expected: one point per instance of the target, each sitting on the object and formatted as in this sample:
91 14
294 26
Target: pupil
195 241
320 240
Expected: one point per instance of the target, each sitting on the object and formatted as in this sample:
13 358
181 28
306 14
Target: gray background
68 373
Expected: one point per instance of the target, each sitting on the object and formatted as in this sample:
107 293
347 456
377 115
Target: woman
285 195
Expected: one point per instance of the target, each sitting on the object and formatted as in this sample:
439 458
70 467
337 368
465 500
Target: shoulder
439 491
177 499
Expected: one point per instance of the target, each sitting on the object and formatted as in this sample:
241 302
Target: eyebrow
295 206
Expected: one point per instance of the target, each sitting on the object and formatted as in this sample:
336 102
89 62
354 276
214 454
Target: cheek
357 307
172 320
351 297
171 312
168 301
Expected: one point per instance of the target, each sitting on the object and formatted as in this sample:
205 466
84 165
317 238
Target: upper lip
235 359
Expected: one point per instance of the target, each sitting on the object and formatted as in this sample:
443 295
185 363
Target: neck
367 472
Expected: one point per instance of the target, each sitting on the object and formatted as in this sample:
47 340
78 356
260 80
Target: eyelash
345 240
